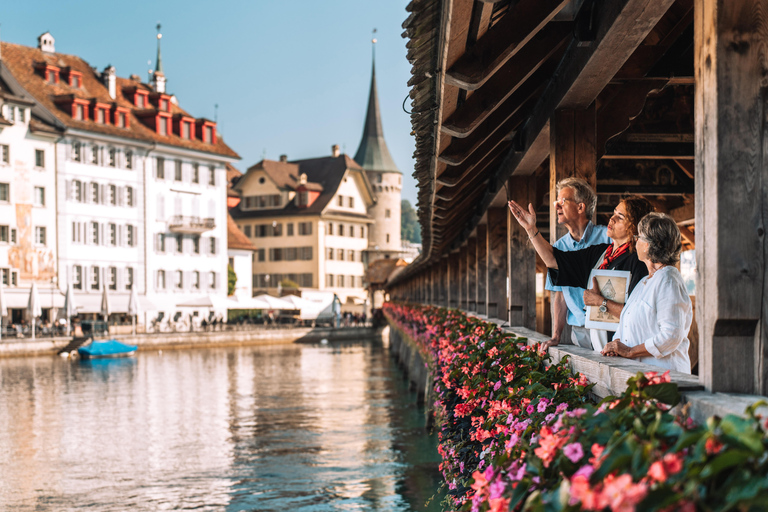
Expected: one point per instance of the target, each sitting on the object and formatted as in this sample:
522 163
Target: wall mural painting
33 263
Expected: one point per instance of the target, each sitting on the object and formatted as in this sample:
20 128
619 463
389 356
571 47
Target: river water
271 428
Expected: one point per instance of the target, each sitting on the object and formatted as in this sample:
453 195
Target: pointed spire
372 154
159 65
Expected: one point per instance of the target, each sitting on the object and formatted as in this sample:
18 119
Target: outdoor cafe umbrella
105 309
70 308
274 302
33 306
3 306
133 308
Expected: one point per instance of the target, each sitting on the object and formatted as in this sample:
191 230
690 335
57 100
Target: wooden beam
496 297
684 215
512 85
572 153
688 235
502 42
482 268
615 116
492 149
619 149
645 190
521 259
687 166
731 197
459 150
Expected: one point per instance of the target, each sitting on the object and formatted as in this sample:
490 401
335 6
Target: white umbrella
245 303
33 306
3 306
70 308
209 301
275 302
105 309
133 307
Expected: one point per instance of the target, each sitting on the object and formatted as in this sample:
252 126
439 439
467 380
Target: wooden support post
432 285
463 299
522 258
444 282
497 263
572 153
482 269
453 280
472 274
730 43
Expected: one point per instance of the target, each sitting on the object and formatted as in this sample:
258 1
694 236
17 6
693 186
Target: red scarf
610 255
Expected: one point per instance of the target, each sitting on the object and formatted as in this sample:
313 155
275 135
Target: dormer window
183 126
140 100
139 97
206 131
76 107
100 112
164 105
73 78
50 73
120 117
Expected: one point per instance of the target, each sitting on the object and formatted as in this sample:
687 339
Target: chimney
283 158
302 179
335 151
46 43
109 78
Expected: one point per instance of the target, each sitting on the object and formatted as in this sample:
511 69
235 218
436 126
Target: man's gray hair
583 193
663 237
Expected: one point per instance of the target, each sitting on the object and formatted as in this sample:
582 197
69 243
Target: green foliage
231 280
409 223
287 283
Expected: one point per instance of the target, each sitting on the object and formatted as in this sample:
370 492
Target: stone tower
386 181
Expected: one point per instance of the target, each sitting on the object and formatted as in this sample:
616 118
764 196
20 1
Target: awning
118 302
18 297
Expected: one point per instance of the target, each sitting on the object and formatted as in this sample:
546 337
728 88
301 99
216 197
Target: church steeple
158 77
372 154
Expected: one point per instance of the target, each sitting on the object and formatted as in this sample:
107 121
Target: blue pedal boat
106 349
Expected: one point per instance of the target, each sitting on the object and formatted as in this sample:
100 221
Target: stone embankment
179 340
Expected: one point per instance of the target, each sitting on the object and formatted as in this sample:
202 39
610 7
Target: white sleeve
672 310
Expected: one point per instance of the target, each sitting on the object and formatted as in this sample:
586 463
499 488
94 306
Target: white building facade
135 187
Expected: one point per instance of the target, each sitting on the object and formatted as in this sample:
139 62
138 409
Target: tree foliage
231 280
409 223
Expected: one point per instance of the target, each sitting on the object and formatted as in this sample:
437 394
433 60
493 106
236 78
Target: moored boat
106 349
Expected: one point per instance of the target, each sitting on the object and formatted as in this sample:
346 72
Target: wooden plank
496 299
482 269
512 85
463 276
453 280
572 153
521 258
732 307
646 190
502 42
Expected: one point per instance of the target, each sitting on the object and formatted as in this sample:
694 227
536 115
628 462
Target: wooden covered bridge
663 98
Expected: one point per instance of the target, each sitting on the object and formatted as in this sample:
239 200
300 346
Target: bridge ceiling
488 75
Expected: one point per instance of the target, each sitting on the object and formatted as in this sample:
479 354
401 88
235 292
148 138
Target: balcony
190 225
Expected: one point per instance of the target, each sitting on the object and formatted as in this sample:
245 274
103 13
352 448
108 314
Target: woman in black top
573 268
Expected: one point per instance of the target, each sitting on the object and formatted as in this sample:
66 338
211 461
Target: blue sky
290 77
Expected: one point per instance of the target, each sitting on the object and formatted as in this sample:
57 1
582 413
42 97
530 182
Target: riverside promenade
197 339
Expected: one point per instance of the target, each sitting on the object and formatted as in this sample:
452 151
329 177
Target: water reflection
290 427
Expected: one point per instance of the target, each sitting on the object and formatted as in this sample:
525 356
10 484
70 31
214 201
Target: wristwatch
603 307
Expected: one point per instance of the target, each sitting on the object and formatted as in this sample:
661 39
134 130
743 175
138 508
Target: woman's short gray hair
583 193
663 237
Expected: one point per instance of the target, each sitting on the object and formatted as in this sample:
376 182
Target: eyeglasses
562 201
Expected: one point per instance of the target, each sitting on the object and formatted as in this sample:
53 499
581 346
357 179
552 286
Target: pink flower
529 409
497 489
543 403
574 452
497 385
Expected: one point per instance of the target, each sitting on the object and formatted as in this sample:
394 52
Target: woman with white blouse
655 320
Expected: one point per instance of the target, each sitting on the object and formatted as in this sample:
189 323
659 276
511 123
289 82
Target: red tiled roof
21 61
236 239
